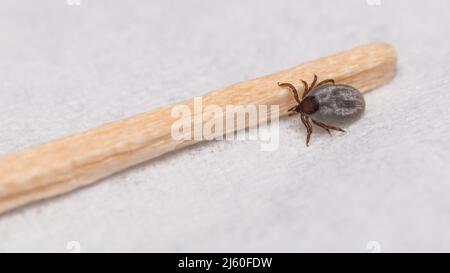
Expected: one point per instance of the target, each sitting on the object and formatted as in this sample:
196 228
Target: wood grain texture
60 166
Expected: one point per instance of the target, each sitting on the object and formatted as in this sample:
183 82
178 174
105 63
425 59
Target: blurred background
70 65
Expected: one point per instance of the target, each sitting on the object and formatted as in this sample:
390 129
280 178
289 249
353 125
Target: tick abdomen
338 103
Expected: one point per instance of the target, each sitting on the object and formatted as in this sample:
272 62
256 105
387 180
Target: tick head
308 105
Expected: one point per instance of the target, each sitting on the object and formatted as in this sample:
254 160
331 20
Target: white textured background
65 69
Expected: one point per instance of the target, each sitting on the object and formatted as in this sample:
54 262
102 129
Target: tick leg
293 111
292 108
320 125
313 83
306 89
327 127
309 128
292 88
326 81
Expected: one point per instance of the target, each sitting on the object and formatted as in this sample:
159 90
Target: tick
326 104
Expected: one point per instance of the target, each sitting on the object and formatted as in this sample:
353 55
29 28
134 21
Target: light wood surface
62 165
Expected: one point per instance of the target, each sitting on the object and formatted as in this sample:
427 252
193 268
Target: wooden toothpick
63 165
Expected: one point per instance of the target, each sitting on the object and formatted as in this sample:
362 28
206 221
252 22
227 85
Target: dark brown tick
326 103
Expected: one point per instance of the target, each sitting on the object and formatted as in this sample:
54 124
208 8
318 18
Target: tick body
326 105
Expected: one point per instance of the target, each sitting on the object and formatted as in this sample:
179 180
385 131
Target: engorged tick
326 103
